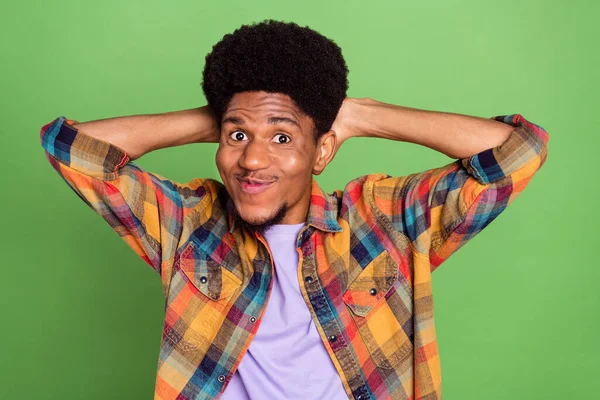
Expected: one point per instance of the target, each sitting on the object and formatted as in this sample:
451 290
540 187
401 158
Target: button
253 319
308 279
373 291
203 279
221 378
332 338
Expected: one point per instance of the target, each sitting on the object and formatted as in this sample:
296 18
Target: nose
255 156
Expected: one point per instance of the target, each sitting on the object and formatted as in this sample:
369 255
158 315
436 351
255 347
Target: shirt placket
331 331
255 309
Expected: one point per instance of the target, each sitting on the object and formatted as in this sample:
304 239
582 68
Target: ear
326 148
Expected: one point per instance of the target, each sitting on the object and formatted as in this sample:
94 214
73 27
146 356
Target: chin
258 218
255 220
255 214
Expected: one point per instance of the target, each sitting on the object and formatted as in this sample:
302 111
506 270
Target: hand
342 126
350 119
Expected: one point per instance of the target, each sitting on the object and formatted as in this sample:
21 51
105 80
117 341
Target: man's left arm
440 209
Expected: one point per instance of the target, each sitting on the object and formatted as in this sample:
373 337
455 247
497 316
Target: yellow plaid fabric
366 257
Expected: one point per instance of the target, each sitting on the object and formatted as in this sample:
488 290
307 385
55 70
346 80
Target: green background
516 309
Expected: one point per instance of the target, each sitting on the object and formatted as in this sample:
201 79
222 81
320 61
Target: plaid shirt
366 257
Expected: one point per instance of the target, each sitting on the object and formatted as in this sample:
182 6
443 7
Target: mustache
258 177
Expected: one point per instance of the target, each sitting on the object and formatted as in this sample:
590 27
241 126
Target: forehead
262 103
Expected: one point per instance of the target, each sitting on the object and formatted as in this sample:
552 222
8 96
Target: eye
237 135
281 138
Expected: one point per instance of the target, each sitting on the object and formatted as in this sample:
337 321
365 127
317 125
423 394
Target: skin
267 156
259 155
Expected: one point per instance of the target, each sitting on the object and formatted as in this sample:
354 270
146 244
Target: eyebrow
271 120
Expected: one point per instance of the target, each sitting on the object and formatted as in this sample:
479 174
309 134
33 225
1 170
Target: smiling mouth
253 186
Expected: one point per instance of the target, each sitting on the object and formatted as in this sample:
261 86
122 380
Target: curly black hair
278 57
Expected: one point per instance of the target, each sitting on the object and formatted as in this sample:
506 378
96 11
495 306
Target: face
267 155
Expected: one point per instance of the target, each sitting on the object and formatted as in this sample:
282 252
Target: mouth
254 186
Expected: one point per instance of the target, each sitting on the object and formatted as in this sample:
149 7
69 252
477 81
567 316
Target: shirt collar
322 210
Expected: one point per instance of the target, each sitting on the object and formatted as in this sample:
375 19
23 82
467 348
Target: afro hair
278 57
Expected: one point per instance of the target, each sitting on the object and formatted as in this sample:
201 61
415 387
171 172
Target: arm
141 134
440 209
455 135
145 209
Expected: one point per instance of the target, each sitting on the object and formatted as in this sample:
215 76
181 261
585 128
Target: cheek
223 157
219 157
297 172
223 162
297 164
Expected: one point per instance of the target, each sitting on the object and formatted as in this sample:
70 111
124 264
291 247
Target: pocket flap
208 276
372 284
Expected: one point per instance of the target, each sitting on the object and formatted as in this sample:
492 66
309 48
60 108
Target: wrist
360 112
195 125
346 124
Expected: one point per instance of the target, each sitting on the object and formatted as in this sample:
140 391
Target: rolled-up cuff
86 154
526 143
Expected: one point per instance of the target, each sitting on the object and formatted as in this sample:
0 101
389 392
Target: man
273 288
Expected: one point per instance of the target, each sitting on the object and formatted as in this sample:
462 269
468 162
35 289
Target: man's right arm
141 134
145 209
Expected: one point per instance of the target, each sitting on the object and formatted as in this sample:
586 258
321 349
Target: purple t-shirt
287 358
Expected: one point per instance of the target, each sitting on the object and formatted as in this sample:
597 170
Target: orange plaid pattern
366 257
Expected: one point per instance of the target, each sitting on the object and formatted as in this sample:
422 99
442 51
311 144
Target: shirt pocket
379 325
209 277
201 293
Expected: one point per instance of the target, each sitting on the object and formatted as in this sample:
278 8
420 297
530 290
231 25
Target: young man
273 288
